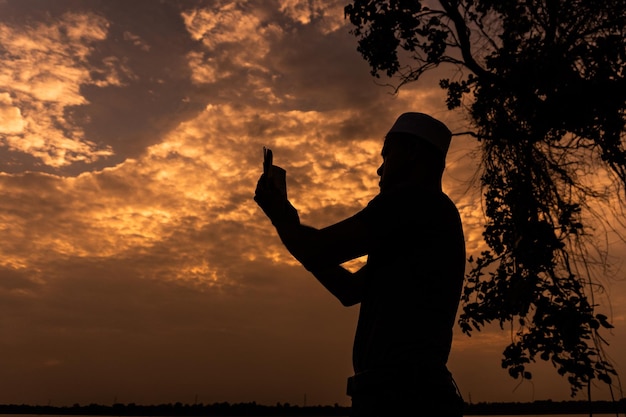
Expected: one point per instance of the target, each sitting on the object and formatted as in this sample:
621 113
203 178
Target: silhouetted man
410 287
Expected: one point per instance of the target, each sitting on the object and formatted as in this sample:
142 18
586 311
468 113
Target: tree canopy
543 85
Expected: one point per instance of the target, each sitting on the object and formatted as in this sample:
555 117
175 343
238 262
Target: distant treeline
179 409
286 409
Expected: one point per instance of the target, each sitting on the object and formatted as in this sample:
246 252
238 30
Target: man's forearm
303 243
343 284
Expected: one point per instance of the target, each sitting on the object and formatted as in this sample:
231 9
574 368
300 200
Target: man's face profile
398 161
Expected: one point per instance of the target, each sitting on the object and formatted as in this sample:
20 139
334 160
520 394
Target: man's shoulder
413 197
410 206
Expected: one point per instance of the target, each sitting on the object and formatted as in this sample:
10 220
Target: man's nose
379 171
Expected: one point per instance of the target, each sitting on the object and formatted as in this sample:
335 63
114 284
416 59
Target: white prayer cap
424 127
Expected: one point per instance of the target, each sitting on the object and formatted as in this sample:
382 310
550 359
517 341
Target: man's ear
416 151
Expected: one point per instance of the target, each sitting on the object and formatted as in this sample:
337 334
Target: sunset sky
135 265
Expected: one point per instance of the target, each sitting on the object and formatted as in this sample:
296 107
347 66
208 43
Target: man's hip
385 392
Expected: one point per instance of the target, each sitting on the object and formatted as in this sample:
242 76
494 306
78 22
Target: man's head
414 151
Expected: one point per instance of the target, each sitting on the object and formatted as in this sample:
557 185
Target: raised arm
321 251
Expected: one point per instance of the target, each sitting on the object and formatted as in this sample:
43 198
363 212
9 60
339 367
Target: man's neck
429 186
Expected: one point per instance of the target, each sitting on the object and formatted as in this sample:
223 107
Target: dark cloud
149 39
322 71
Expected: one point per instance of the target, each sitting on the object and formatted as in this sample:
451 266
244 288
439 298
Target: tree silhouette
543 85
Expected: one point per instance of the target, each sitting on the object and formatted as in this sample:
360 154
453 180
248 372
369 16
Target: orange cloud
43 70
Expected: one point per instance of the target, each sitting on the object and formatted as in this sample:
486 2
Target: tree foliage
543 83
